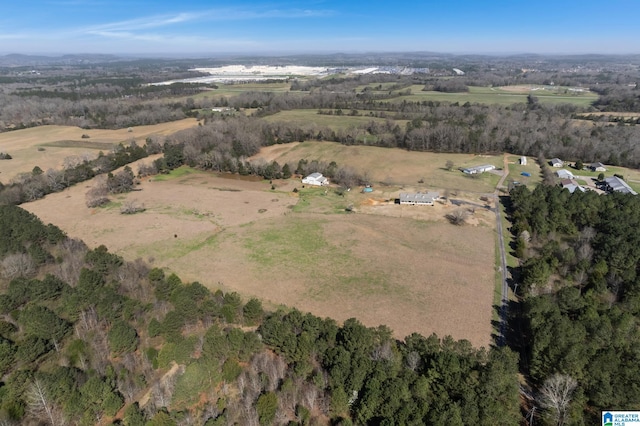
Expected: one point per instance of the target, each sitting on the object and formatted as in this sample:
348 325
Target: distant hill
19 60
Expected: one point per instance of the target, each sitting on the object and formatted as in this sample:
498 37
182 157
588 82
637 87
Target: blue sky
199 27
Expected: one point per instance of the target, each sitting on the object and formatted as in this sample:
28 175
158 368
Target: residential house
556 162
597 167
419 198
614 183
478 169
565 174
571 185
316 179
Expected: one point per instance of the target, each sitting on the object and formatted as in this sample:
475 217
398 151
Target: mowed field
303 117
48 146
402 266
392 166
507 95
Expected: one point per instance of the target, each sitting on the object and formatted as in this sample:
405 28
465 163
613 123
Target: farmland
387 264
500 96
394 166
48 146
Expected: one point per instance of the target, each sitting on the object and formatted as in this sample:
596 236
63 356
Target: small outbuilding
556 162
597 167
523 161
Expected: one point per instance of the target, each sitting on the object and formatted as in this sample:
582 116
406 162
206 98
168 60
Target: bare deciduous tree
131 207
458 217
555 396
41 405
413 360
17 265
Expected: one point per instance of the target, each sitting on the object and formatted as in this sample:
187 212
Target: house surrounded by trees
556 162
316 179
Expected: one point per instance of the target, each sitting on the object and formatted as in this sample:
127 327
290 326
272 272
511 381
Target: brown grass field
59 142
393 166
402 266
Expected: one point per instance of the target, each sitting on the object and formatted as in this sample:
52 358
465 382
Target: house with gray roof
419 198
478 169
565 174
614 183
556 162
597 167
571 185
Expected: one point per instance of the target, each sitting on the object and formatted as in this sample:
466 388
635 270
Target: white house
598 167
316 179
419 198
478 169
565 174
556 162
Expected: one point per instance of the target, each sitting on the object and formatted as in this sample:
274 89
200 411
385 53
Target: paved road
503 257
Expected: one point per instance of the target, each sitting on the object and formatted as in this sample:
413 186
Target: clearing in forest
402 266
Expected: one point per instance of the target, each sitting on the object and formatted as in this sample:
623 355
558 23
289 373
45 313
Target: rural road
503 257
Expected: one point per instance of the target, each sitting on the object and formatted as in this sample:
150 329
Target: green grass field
303 117
516 170
230 90
498 96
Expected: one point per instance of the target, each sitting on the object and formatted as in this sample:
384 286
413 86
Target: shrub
122 338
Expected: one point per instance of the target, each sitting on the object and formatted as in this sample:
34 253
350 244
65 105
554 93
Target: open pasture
230 90
516 169
48 146
393 166
411 272
306 117
498 95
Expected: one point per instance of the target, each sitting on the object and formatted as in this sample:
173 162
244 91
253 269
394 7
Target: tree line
86 338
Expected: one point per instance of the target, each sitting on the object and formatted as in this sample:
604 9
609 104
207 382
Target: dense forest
580 296
87 338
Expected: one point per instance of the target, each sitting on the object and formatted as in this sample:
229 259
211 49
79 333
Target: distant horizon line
202 55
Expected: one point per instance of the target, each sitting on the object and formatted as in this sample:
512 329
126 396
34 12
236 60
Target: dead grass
393 167
402 266
59 142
